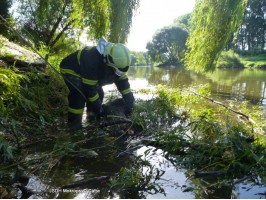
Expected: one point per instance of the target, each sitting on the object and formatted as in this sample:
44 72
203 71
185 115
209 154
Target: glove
129 104
128 110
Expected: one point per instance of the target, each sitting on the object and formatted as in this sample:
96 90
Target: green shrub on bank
229 59
33 99
30 102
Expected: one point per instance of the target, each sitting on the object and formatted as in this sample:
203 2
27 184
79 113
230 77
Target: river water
226 85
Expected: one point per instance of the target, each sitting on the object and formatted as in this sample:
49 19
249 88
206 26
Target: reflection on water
226 84
174 180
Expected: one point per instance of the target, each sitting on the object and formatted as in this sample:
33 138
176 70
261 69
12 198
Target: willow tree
50 22
46 21
213 22
122 12
92 15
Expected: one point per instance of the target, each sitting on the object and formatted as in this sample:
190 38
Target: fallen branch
55 161
84 182
129 150
115 123
242 179
221 104
160 144
199 174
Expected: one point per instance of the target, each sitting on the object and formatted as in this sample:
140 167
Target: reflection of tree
204 191
172 77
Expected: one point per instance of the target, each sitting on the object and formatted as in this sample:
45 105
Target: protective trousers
76 101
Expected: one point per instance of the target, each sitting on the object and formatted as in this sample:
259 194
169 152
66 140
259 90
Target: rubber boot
74 121
91 117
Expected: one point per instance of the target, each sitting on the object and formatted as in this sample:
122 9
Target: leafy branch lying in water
221 141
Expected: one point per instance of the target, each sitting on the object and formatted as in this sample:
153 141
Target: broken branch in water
242 179
115 123
84 182
199 174
221 104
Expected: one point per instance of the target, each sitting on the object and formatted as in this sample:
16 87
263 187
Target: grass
30 102
255 61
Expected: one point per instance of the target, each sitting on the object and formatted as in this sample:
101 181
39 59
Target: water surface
226 84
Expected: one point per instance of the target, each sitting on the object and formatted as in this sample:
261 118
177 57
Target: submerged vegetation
205 139
210 138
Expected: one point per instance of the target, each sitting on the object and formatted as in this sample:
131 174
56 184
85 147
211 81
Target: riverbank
33 97
255 61
41 156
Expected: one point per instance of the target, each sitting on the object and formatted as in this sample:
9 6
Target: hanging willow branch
213 22
221 104
122 12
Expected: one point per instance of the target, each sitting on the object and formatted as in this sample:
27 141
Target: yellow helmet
117 56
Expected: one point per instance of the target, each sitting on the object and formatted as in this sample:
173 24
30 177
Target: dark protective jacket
88 65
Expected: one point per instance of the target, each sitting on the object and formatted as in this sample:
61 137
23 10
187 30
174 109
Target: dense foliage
251 35
183 21
186 126
213 22
62 22
122 12
139 58
45 22
4 12
30 102
229 59
168 45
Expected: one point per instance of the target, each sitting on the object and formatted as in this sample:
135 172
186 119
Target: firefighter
88 70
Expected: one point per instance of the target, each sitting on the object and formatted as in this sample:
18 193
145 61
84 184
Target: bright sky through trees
153 15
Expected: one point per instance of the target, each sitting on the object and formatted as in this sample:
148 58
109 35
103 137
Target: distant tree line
214 26
139 58
251 35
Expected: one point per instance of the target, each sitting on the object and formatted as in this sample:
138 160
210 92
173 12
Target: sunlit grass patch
255 61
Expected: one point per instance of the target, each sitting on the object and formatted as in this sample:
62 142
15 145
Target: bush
229 59
32 99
